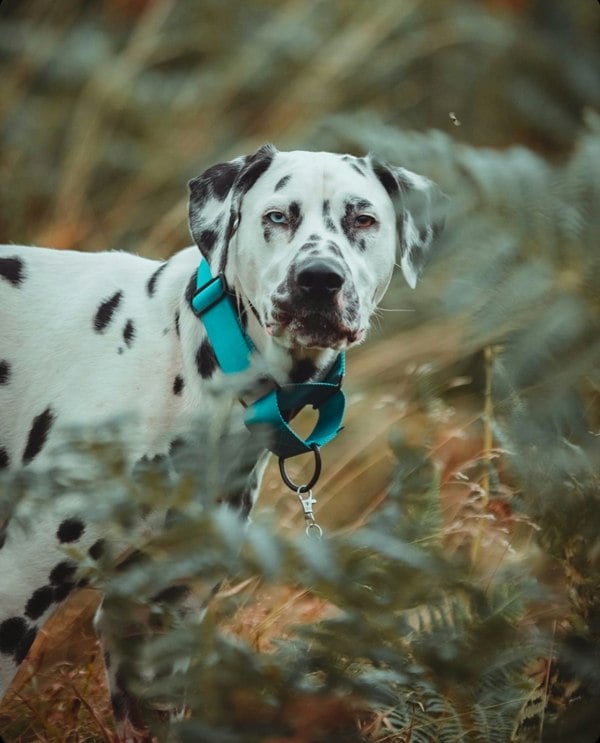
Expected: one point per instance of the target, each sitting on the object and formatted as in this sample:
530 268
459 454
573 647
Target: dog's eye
277 217
364 220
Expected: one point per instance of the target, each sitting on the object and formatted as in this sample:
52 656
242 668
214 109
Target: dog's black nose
318 277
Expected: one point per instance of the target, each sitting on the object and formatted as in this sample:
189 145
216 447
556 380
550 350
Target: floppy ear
420 209
215 200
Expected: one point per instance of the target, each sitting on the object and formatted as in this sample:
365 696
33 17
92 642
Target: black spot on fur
295 217
177 323
199 189
220 178
106 311
176 445
314 237
386 178
61 579
256 167
334 248
243 500
171 594
151 284
361 204
302 370
41 599
348 223
38 433
62 573
70 530
355 163
267 232
208 238
12 269
25 643
97 549
217 181
206 361
129 333
4 458
329 223
190 290
61 592
178 385
4 372
234 219
282 182
12 632
2 537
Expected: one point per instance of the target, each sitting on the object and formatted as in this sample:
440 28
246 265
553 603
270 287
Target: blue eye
277 217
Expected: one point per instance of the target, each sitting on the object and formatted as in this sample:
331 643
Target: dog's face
310 240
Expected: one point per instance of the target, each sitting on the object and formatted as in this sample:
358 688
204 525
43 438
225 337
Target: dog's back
86 338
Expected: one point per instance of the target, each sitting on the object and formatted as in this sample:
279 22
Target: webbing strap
212 303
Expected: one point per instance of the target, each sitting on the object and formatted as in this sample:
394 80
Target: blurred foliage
108 108
466 606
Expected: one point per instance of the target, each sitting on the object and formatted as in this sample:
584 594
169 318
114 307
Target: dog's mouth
320 330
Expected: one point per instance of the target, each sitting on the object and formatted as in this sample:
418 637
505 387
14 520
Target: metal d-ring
311 483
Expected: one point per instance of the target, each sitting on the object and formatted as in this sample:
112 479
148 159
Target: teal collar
269 415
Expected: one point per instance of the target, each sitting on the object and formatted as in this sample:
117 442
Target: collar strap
269 415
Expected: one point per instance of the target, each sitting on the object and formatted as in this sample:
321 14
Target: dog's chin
299 335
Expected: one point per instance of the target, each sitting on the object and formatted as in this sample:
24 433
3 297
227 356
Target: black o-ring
316 474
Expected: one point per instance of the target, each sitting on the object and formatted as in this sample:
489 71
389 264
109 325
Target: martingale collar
269 414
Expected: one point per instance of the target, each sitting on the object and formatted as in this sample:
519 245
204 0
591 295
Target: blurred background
490 368
109 107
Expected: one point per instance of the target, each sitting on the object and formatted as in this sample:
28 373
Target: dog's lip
337 338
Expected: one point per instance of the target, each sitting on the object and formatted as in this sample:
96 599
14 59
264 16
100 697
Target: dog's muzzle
316 307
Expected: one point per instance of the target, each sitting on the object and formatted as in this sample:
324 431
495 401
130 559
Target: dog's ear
420 208
215 198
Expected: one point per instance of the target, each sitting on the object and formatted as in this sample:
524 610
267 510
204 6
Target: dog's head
309 240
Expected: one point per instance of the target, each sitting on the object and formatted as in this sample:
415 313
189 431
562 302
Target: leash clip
312 528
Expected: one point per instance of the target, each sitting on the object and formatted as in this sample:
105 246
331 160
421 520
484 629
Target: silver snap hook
313 529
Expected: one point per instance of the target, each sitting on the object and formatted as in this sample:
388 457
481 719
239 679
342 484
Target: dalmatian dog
307 242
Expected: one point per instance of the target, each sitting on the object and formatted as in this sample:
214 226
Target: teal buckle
269 415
